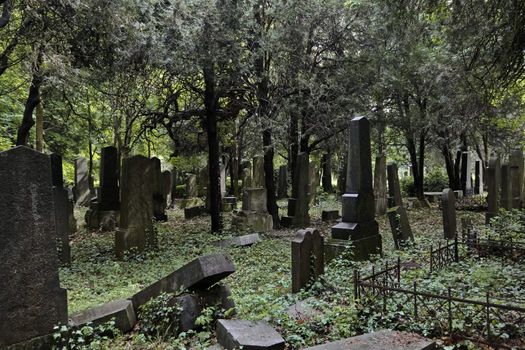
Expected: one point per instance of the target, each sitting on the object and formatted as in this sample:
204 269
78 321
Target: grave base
355 231
252 221
361 248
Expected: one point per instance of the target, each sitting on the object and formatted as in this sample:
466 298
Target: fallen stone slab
200 273
251 335
380 340
121 310
240 241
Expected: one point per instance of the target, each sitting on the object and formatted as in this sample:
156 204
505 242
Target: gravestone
465 172
62 208
192 212
166 187
517 174
248 335
313 178
380 185
191 186
32 302
136 214
121 311
282 184
240 241
174 183
478 180
222 169
506 187
307 258
397 215
254 214
326 164
493 186
358 214
109 177
448 202
159 204
82 187
341 178
202 182
298 207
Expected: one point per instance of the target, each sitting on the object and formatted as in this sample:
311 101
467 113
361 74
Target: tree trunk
293 149
269 180
326 163
213 149
39 127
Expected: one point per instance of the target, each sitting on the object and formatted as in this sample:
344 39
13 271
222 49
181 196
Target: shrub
436 181
407 186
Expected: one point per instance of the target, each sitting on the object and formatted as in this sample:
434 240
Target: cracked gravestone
250 335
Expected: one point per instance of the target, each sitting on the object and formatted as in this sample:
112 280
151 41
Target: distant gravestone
191 186
329 215
159 204
518 172
400 226
326 164
62 210
506 187
394 190
313 178
202 182
478 178
167 178
358 214
136 215
448 202
258 173
32 302
82 187
222 183
380 185
109 178
307 258
298 207
240 241
282 184
248 335
465 173
493 186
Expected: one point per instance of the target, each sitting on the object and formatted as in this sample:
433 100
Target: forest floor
261 285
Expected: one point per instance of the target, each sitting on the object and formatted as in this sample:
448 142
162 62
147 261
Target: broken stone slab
250 335
330 215
240 241
200 273
303 309
120 310
380 340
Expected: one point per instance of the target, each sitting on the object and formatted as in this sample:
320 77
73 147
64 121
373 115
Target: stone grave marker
493 187
32 300
120 310
82 187
394 190
62 210
298 207
330 215
109 180
400 226
240 241
506 187
448 202
159 207
307 258
478 177
248 335
517 173
380 192
166 187
282 184
326 165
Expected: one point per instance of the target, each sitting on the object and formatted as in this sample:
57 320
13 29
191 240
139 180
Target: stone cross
307 258
493 186
82 189
448 201
136 213
380 185
109 177
32 302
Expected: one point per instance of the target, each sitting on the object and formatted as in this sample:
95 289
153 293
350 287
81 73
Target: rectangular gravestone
358 213
478 177
394 190
298 207
136 214
282 184
159 204
248 335
493 188
109 180
307 258
380 192
82 186
121 311
32 302
192 212
326 164
448 202
506 187
240 241
517 173
167 178
400 226
313 183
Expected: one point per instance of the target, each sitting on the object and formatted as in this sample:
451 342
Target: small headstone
159 203
202 182
313 183
82 188
506 187
241 241
282 184
517 164
136 215
307 258
326 164
32 302
191 186
400 226
448 202
120 310
394 190
478 178
493 186
248 335
465 173
380 192
166 187
109 177
222 183
330 215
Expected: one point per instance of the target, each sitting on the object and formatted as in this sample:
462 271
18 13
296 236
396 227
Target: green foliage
407 186
508 225
85 337
436 180
159 317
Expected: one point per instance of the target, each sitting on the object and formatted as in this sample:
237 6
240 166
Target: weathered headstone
121 311
465 173
192 212
240 241
223 178
282 184
358 214
32 302
307 258
493 186
400 226
516 162
448 202
330 215
159 204
326 164
82 188
313 183
258 173
174 183
109 178
202 182
136 214
478 178
380 185
298 207
394 190
191 186
506 187
62 209
341 178
166 187
248 335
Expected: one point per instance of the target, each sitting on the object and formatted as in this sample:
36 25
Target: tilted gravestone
506 187
358 214
493 186
248 335
307 258
82 188
136 214
159 206
448 202
517 173
397 215
254 214
62 210
282 184
32 302
298 207
380 185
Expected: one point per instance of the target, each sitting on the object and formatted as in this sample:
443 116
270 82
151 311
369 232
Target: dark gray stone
241 241
159 204
109 199
359 178
198 274
506 187
330 215
258 180
192 212
478 178
203 181
380 185
516 162
250 335
167 178
307 258
394 190
61 204
313 183
400 226
380 340
191 186
136 215
493 186
121 311
465 173
57 176
326 165
254 199
298 207
282 183
303 310
448 202
32 301
82 186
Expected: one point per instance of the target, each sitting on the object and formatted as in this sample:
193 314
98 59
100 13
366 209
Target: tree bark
326 163
39 127
269 180
293 149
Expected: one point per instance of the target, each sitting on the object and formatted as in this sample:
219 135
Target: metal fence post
449 310
456 253
415 301
488 316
